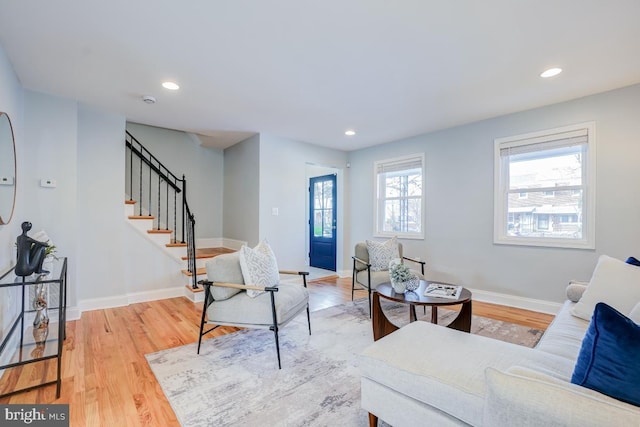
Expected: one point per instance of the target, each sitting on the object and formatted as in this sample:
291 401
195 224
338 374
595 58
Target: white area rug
236 381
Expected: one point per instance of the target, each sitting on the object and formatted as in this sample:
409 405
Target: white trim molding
541 306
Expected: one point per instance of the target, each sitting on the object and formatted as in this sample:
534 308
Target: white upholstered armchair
368 275
229 301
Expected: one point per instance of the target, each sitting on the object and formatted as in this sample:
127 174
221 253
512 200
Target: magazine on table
441 290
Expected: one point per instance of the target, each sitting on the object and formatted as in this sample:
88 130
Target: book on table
442 290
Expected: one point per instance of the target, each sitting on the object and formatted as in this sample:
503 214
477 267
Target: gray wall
11 102
203 168
284 185
100 259
241 191
458 244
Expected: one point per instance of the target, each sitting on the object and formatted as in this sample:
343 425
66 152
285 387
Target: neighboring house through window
399 202
545 188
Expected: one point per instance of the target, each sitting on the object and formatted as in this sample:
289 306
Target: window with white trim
544 188
399 196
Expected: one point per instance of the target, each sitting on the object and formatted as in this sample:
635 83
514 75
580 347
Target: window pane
317 223
414 216
391 221
317 195
403 216
392 186
328 223
559 216
548 168
328 194
414 184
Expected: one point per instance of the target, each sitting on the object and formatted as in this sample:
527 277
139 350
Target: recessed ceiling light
551 72
170 86
350 132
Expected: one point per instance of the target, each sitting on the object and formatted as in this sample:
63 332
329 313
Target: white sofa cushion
525 398
564 335
442 367
242 310
613 282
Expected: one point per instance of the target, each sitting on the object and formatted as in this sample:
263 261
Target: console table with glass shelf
29 344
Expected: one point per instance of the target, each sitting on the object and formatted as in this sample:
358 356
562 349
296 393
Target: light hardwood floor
106 378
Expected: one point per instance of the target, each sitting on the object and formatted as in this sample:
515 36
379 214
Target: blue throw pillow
608 358
633 261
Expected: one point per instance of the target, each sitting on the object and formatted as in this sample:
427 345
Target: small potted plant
402 278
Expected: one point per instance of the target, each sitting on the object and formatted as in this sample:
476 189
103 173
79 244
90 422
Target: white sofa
429 375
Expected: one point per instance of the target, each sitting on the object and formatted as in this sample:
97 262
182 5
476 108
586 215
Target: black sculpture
31 253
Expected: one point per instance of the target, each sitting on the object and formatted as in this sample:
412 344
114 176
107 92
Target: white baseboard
344 273
74 313
532 304
209 242
232 243
154 295
219 242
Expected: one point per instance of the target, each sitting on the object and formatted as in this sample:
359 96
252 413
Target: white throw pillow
381 253
635 313
615 283
259 267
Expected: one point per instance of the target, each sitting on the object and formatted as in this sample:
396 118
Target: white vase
399 287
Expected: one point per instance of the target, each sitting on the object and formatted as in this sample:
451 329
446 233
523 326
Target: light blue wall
100 259
203 168
284 185
241 191
458 244
11 102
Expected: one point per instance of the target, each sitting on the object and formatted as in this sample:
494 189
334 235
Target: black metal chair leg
204 310
308 319
369 289
274 328
353 279
275 331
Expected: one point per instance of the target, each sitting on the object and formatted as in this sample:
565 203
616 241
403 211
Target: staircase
157 207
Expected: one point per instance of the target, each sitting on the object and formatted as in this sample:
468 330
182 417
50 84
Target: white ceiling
309 70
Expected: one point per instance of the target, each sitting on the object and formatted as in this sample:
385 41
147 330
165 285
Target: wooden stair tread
130 202
141 217
176 245
199 271
195 291
156 231
203 253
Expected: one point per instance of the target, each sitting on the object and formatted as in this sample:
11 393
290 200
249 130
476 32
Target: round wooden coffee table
382 326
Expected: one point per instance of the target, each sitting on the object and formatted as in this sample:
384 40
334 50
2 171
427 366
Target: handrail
153 167
150 172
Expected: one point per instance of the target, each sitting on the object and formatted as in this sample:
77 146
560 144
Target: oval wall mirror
7 169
